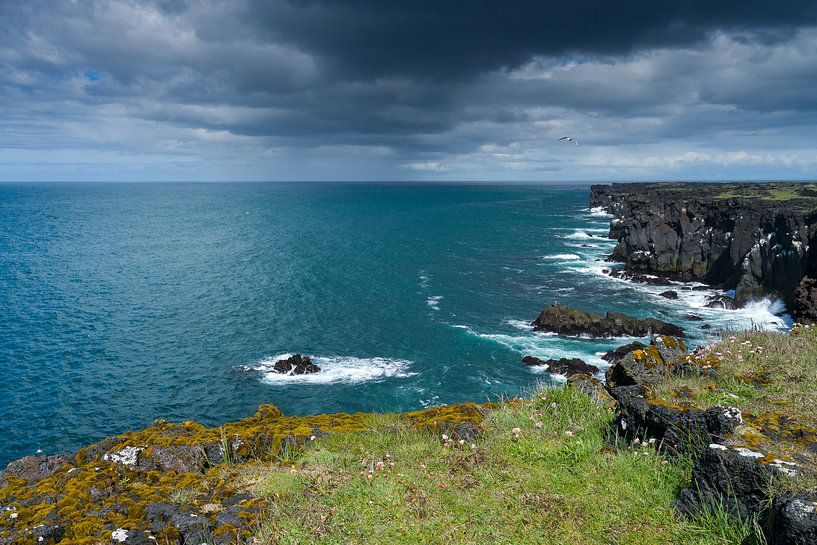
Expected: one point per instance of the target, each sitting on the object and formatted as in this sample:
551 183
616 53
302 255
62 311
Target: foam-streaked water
123 303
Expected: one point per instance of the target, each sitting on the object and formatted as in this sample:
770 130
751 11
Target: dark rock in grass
563 366
721 301
648 365
794 521
569 321
676 429
669 294
726 477
296 365
465 430
592 387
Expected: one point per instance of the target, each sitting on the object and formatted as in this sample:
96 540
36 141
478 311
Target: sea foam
335 369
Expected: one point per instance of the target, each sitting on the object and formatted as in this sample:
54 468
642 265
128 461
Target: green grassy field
541 472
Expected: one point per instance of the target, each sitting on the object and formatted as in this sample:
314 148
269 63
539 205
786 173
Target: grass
781 192
772 378
541 472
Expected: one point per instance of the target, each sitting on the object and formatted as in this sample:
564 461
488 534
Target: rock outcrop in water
755 238
296 365
570 321
563 366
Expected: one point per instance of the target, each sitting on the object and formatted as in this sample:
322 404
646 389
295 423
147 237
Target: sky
369 90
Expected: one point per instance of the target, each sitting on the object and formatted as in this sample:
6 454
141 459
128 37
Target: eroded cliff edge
755 238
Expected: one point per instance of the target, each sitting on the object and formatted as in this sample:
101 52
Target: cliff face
754 238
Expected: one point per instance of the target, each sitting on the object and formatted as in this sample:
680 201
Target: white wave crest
561 257
434 301
335 370
599 212
578 235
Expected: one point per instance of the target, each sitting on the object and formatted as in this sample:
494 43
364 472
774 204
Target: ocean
124 303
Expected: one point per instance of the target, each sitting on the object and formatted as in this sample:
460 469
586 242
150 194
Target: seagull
569 139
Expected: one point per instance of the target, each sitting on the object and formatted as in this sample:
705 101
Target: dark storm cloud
414 83
460 38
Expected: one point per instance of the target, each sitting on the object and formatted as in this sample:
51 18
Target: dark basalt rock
794 521
48 534
644 366
533 360
35 468
805 301
569 321
592 387
675 429
563 366
181 459
637 277
193 527
742 236
694 318
296 365
721 301
614 355
724 476
669 294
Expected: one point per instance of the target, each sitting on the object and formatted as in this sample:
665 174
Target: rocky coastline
126 489
756 239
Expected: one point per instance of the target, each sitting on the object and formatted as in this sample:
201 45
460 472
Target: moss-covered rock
172 483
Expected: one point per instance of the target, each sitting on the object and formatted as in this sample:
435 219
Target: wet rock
706 326
569 321
721 301
694 318
295 365
794 521
533 360
639 278
669 294
563 366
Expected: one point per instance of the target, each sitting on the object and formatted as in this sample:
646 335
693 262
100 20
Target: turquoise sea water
124 303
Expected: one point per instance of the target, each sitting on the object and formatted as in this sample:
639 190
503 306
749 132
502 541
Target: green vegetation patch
542 471
772 378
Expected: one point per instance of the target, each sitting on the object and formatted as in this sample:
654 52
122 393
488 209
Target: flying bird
569 139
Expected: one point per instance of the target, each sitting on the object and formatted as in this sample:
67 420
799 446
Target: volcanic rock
569 321
563 366
296 365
